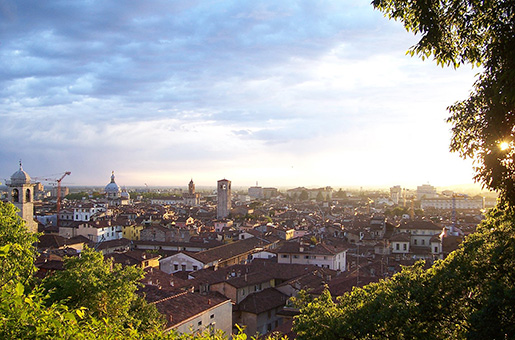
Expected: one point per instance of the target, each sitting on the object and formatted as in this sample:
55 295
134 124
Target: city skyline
285 94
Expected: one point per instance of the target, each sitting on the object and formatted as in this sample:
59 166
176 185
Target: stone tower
191 187
223 205
191 198
21 194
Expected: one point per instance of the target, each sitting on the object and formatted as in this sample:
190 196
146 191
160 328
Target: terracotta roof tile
263 301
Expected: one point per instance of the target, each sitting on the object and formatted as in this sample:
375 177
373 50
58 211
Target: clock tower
223 205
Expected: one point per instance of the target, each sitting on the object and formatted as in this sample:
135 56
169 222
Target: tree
456 32
341 194
105 289
17 243
319 197
304 196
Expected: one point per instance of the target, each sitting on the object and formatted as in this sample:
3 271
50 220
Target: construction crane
58 180
58 202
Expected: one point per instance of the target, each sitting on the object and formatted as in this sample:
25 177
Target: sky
282 93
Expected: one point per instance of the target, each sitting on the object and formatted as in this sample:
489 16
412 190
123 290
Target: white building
321 255
420 232
191 313
84 212
426 191
458 203
180 262
400 243
100 231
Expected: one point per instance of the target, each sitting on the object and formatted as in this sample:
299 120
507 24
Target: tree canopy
104 289
17 244
480 33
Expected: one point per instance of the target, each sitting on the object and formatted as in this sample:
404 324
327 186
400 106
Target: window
415 241
16 195
306 256
212 316
284 256
436 249
183 267
27 195
195 267
295 256
146 263
397 246
423 242
405 247
200 323
175 267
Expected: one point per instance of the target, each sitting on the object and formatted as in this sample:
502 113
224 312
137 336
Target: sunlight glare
504 145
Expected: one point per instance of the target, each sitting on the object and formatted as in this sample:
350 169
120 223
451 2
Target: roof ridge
169 298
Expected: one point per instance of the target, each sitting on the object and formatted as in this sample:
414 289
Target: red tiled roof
183 306
425 225
319 249
263 301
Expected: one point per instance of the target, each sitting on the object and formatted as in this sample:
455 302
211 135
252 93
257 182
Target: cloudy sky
286 93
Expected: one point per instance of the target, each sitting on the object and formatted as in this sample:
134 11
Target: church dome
20 177
112 187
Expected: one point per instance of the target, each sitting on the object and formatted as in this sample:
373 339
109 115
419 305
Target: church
115 195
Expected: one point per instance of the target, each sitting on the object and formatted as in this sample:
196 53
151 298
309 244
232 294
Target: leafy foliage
105 289
480 33
17 244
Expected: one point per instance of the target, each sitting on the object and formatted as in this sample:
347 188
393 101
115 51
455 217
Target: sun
504 146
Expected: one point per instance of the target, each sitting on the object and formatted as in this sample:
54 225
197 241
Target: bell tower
21 194
223 205
191 187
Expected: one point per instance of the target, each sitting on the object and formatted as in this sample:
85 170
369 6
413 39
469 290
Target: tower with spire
21 194
191 198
